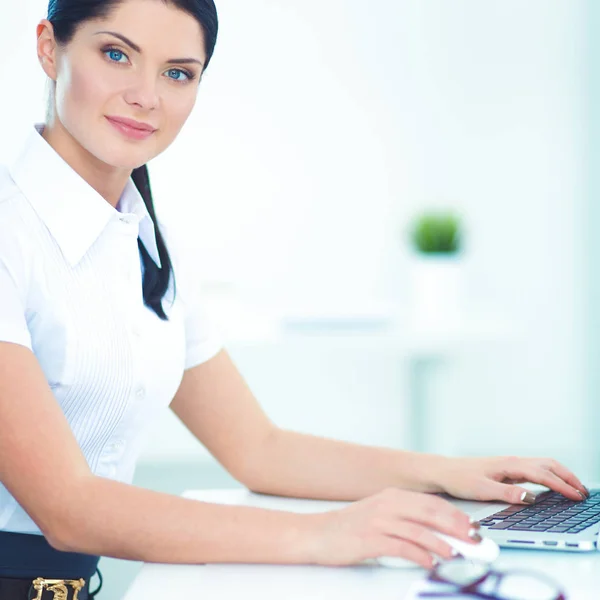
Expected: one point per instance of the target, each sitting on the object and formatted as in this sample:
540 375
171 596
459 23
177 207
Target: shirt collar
72 210
131 202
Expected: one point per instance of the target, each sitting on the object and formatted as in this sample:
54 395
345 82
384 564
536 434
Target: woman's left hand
496 478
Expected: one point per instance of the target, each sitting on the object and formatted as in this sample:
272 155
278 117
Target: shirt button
116 446
140 393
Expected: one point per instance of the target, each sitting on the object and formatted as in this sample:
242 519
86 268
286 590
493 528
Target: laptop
553 522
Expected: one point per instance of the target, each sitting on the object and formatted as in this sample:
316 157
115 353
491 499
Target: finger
532 471
505 492
421 536
437 514
391 546
546 477
555 483
567 476
514 494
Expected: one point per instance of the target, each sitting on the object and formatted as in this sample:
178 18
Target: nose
143 92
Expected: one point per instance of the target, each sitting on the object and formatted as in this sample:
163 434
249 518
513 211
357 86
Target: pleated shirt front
71 291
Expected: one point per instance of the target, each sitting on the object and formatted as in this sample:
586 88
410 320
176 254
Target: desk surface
579 574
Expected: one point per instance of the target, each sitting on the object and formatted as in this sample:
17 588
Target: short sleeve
13 324
203 340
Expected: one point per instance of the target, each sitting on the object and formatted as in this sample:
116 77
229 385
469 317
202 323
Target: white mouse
485 551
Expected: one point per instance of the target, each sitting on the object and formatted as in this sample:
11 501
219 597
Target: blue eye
114 54
177 72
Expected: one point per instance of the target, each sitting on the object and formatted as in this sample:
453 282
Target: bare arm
42 466
306 466
218 407
109 518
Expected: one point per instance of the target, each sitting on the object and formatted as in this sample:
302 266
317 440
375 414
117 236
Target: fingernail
587 491
527 497
475 524
454 553
474 535
434 563
583 496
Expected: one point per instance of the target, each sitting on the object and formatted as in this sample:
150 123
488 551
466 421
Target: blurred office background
321 129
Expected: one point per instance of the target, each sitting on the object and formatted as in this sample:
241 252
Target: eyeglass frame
471 588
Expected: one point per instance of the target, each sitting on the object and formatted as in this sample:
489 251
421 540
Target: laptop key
531 523
505 513
558 529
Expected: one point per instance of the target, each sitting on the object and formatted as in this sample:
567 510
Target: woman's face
151 78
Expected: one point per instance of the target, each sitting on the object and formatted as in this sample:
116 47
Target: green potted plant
436 238
437 233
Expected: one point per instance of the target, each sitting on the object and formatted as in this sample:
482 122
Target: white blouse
71 291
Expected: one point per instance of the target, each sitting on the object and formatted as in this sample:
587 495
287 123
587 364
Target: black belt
46 589
31 569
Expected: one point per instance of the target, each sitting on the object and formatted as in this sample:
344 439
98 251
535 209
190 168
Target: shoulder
8 189
15 210
15 223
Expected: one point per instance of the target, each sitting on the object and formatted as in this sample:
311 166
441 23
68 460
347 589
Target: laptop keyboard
551 512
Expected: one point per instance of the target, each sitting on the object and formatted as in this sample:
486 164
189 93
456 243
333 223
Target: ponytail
156 280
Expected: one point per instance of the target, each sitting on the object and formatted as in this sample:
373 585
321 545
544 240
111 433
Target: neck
107 180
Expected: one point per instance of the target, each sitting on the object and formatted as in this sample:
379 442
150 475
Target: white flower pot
436 291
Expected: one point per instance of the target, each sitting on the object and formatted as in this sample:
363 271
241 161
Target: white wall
22 81
590 237
322 126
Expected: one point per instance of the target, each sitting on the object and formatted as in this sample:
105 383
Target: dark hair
66 16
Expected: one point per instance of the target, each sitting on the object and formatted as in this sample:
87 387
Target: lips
132 130
139 125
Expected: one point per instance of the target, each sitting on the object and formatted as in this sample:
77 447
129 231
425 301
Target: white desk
579 574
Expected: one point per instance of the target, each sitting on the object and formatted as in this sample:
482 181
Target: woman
96 340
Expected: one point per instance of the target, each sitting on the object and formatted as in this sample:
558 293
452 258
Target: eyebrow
173 61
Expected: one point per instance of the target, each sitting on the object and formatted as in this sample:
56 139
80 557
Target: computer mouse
485 551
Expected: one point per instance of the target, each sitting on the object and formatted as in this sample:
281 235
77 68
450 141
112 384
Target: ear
46 48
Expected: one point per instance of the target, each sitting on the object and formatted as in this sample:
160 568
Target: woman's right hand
393 522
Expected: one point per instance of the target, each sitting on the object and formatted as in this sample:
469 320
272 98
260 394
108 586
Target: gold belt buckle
58 587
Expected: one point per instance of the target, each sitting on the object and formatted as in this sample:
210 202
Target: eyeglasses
480 581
